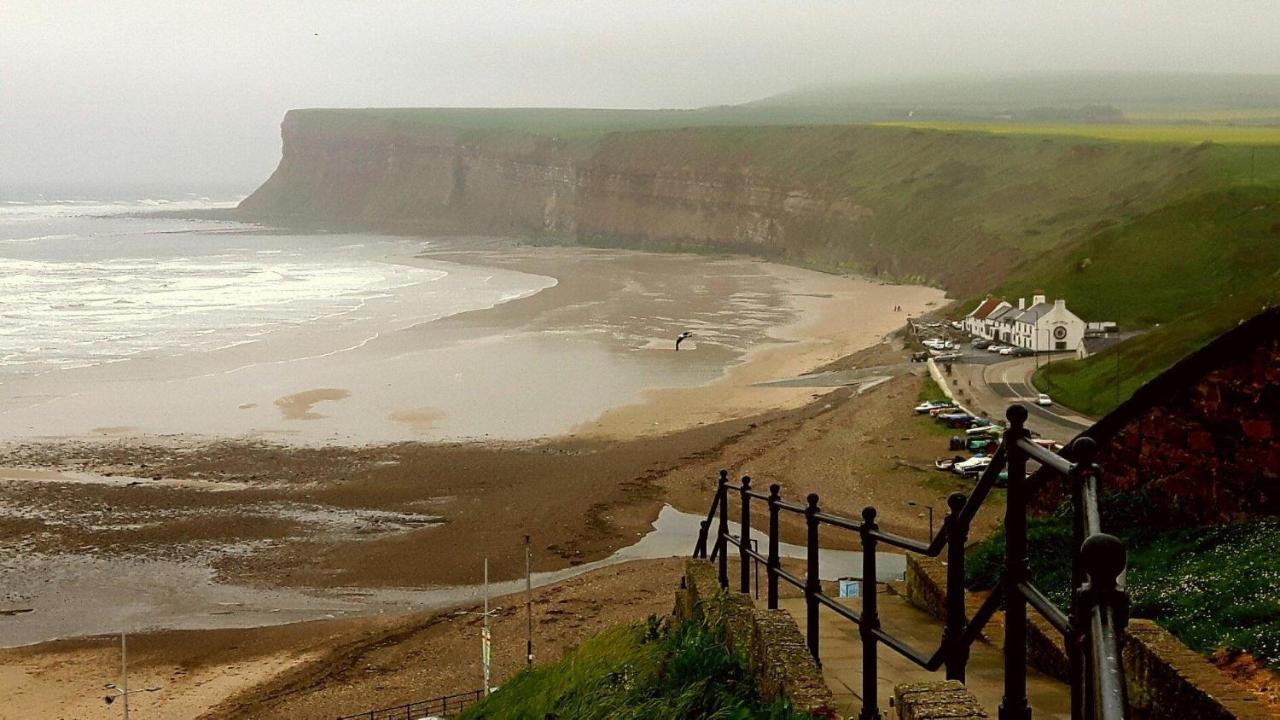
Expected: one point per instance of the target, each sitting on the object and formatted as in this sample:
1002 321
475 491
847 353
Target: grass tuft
645 671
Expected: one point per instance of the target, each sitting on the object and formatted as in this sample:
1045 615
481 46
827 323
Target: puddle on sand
76 595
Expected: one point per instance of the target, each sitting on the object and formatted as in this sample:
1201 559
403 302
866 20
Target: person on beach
681 338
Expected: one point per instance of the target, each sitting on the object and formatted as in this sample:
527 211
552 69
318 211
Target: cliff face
959 210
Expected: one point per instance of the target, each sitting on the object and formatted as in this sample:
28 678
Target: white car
1006 351
1043 400
995 348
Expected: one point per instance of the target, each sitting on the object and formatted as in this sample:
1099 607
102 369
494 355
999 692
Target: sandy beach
157 510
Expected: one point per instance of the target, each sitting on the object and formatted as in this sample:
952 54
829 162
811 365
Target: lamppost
913 503
485 635
122 691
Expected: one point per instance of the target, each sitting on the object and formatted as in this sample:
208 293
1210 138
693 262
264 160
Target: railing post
956 654
722 531
812 583
774 561
1014 705
1104 560
1082 453
744 542
870 620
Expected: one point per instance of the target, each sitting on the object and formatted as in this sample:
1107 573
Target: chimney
1022 303
1060 304
1038 298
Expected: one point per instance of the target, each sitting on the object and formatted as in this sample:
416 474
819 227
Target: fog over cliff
156 91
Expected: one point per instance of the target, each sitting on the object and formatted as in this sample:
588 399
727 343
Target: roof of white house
999 315
985 307
1033 314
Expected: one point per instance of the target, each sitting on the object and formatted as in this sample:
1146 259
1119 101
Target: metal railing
1092 630
443 706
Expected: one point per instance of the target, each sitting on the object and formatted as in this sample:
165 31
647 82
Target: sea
92 280
146 313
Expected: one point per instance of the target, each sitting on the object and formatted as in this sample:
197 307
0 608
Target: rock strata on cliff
953 209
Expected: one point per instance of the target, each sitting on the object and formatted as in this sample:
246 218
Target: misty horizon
144 91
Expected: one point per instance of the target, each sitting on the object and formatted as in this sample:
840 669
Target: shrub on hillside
645 671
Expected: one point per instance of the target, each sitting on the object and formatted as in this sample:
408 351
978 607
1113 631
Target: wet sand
592 352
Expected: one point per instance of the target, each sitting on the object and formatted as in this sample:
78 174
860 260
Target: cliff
955 209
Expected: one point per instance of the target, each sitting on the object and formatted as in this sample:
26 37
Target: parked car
995 348
1007 350
1043 400
929 405
981 344
948 357
922 356
1023 352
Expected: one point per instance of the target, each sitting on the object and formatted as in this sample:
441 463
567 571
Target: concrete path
841 651
991 388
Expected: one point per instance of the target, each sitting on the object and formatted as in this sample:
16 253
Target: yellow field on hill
1180 134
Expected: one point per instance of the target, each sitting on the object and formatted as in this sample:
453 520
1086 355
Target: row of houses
1042 326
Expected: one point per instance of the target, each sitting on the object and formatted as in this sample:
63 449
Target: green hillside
1186 273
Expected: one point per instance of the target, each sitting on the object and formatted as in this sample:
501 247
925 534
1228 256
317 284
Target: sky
172 91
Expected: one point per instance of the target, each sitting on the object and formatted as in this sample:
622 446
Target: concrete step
841 651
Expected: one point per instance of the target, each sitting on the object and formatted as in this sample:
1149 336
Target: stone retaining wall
938 700
770 640
1166 679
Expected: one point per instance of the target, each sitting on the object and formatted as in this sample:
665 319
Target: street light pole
528 602
122 690
913 503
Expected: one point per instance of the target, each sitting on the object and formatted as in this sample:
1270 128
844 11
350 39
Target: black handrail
443 706
1091 631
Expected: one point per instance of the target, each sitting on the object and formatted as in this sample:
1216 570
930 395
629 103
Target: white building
975 321
1042 327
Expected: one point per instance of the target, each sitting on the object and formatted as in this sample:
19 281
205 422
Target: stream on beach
81 595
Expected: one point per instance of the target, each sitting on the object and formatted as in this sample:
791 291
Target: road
990 385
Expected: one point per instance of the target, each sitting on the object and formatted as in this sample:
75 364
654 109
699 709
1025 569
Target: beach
587 336
276 482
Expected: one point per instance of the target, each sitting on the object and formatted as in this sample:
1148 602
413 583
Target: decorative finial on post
813 502
956 501
1016 415
869 515
1084 449
775 492
1104 559
746 482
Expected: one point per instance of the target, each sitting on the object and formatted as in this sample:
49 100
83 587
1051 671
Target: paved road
991 387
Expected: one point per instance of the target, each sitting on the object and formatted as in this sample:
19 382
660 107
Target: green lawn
1213 587
646 671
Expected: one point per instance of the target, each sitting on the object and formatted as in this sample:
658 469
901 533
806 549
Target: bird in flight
681 338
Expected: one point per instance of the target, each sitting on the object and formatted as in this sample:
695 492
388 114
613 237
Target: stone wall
770 641
939 700
1166 679
1202 441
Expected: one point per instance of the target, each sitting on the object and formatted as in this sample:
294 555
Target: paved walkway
841 651
991 388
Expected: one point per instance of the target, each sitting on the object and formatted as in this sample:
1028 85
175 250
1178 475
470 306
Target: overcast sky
170 90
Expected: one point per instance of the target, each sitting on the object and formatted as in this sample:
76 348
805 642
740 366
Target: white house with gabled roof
1042 327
